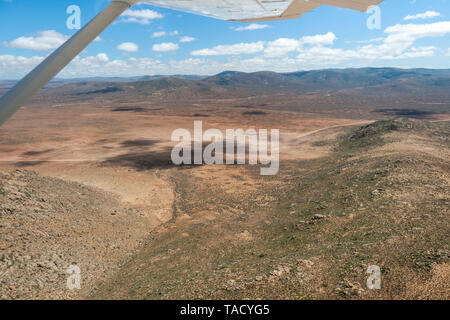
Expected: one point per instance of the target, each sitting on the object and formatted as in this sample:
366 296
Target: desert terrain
86 179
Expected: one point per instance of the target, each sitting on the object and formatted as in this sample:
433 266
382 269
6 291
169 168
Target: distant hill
331 79
388 89
264 81
127 79
258 82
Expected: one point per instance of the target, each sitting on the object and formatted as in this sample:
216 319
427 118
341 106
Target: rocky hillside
48 224
381 198
370 86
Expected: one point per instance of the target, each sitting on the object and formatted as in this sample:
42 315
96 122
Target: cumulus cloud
425 15
128 47
13 67
320 39
92 66
252 27
281 47
44 41
159 34
276 48
165 47
102 57
187 39
140 16
282 55
234 49
398 43
408 33
402 37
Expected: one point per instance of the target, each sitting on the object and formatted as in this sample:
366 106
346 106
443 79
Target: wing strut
11 101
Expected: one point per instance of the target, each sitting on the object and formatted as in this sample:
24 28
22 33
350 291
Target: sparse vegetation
90 182
317 236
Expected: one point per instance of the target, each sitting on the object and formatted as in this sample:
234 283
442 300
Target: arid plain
86 178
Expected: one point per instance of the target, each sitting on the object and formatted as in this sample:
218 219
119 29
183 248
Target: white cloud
165 47
234 49
277 48
320 39
316 50
418 52
425 15
128 47
281 47
102 57
140 16
44 41
412 32
13 67
398 44
252 27
401 38
187 39
159 34
135 20
366 41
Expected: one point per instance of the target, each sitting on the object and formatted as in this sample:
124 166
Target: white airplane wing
237 10
257 10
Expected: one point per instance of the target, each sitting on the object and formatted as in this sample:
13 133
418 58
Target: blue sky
151 40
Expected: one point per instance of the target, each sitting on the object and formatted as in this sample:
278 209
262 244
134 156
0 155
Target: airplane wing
257 10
